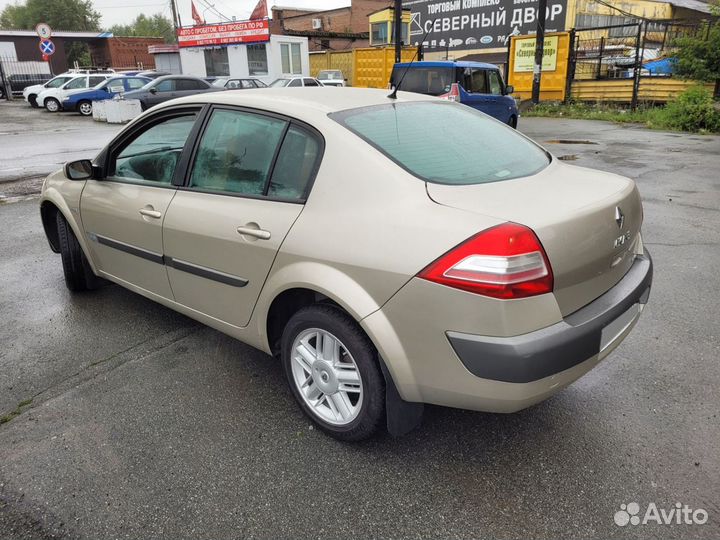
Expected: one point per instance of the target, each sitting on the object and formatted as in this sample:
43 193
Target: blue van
475 84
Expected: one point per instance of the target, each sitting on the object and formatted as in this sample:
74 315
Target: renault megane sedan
389 252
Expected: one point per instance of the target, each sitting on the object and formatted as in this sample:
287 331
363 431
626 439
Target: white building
280 56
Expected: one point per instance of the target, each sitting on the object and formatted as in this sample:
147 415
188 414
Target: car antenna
393 94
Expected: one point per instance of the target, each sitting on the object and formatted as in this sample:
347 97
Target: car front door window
151 158
495 83
165 86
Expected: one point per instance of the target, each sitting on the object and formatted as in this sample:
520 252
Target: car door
122 214
497 106
245 188
165 90
474 92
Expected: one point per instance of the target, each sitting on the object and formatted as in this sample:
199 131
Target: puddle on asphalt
569 141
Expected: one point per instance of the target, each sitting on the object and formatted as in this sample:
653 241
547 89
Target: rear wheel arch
401 416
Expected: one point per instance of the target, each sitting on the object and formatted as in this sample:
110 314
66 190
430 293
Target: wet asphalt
145 424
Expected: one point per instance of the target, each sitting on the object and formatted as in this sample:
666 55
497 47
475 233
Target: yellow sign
525 54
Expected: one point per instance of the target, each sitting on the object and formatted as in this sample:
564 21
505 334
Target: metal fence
623 51
15 75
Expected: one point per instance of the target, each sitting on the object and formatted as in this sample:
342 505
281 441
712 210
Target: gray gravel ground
145 424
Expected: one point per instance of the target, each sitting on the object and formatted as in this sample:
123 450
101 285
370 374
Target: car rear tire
2 92
513 122
32 100
85 108
52 105
333 373
78 273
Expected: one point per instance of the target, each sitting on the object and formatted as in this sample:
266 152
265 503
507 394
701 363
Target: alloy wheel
52 105
326 376
85 108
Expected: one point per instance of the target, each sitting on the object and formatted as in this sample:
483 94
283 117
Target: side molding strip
127 248
207 273
183 266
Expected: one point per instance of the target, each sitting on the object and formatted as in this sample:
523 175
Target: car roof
303 102
448 63
166 77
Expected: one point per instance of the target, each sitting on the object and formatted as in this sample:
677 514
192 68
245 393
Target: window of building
216 62
405 33
291 58
257 59
379 33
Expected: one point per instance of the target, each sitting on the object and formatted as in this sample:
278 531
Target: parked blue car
475 84
82 100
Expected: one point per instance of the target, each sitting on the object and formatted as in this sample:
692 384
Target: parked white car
52 98
295 81
30 93
332 77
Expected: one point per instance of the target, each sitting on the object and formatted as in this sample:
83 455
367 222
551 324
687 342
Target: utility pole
176 16
398 12
539 48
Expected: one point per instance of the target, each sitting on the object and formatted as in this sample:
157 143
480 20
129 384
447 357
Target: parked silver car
170 87
390 252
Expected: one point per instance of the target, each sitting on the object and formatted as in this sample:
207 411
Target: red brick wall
353 19
126 52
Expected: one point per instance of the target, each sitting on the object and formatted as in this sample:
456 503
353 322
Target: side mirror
81 169
153 90
509 89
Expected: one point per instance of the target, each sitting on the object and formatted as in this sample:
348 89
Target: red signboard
224 34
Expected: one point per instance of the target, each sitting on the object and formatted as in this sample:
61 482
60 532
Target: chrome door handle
255 233
150 213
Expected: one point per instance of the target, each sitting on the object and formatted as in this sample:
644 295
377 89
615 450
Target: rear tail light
506 261
453 94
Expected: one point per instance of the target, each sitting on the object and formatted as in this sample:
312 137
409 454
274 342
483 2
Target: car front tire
52 105
332 369
85 108
76 268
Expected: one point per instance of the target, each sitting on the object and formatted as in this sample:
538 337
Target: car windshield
330 75
444 142
279 83
220 83
57 82
433 81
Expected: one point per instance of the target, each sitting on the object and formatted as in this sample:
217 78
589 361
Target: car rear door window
94 81
236 152
134 84
152 156
296 164
79 82
310 82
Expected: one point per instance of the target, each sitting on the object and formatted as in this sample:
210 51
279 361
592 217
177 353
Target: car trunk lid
588 222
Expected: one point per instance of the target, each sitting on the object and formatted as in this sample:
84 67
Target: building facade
480 29
328 30
266 60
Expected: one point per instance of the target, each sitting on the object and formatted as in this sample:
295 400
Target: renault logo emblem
619 217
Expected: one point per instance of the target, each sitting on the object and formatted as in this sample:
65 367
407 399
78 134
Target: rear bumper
589 332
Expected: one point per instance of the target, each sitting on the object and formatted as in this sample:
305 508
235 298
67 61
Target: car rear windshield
433 81
444 142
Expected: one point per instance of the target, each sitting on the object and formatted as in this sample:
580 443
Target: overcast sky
124 11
